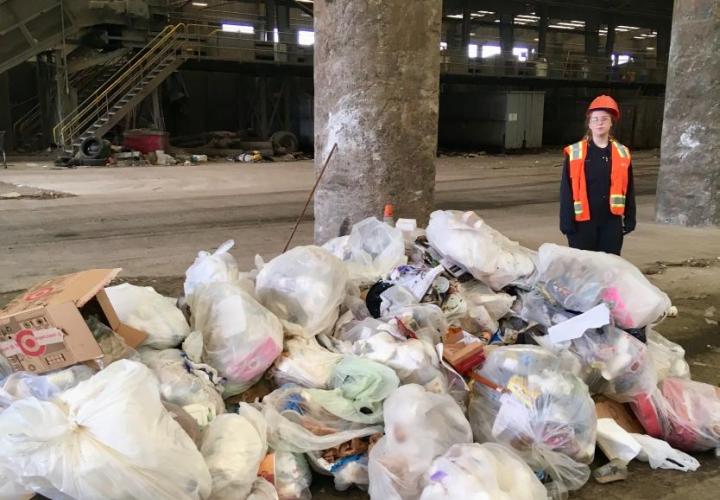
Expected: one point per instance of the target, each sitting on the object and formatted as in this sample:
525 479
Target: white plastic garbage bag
217 267
179 383
21 385
107 437
233 447
419 427
304 286
143 308
11 489
667 357
481 472
543 412
371 251
580 280
297 423
306 363
241 338
478 309
486 253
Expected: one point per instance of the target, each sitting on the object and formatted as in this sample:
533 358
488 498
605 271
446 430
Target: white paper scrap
574 328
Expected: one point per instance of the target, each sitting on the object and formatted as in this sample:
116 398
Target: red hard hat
605 103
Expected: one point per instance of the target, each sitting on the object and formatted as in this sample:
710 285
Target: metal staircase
125 89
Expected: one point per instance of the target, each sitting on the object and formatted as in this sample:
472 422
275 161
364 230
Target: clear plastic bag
289 473
299 424
304 286
107 437
304 362
178 383
667 357
580 280
683 412
148 311
241 338
545 414
487 254
481 472
23 385
419 427
359 387
217 267
371 251
480 308
346 472
233 447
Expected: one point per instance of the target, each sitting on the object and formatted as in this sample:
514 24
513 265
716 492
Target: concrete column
376 79
689 182
542 32
663 43
507 37
592 38
465 25
610 38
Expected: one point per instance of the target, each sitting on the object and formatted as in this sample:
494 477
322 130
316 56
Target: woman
597 195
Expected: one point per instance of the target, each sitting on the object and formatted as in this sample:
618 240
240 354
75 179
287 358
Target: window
620 59
521 53
489 51
305 37
238 28
472 51
443 45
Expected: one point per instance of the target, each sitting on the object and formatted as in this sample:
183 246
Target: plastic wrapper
478 309
304 286
241 338
667 357
23 385
426 321
304 362
148 311
179 383
419 427
262 490
234 445
297 423
682 412
348 471
487 254
107 437
544 413
289 473
371 251
580 280
481 472
359 387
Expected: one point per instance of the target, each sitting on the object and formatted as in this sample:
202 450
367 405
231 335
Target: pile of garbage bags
422 364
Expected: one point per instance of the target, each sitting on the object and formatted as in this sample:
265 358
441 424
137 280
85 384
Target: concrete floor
152 221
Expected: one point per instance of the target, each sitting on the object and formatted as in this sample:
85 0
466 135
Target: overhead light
536 39
475 14
561 27
455 16
199 4
485 12
238 28
629 27
650 48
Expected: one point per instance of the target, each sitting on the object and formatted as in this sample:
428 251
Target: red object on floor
146 141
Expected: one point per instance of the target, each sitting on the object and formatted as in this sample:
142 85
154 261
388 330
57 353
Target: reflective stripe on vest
617 201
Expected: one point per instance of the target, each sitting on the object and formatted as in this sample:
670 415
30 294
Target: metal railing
166 44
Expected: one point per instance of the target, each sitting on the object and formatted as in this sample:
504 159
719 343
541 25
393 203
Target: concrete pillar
466 25
592 38
376 77
662 50
542 32
610 38
689 182
507 37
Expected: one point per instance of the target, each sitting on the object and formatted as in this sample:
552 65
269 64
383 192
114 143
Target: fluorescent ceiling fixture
238 28
651 48
490 50
473 14
536 39
455 16
497 20
486 12
568 24
472 50
629 27
443 45
528 16
305 37
559 26
199 4
639 37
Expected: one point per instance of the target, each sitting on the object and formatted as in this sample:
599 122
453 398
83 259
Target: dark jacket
597 176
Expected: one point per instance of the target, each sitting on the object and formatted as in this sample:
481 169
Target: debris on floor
407 362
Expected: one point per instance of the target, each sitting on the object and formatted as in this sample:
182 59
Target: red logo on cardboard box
28 344
38 294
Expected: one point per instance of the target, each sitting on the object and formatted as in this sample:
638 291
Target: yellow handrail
98 95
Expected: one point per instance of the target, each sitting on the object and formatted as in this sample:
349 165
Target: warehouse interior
200 146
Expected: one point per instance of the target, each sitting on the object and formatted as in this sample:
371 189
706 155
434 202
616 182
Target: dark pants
607 237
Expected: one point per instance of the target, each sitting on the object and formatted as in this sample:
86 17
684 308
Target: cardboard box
44 328
607 408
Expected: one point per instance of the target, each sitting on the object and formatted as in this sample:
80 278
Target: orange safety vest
620 163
